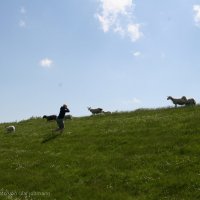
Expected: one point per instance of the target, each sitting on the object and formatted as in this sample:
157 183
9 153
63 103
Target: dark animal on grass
190 102
10 129
50 117
95 111
181 101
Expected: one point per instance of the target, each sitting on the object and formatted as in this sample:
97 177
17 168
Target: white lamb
10 129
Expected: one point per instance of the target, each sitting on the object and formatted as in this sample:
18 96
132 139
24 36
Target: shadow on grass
51 136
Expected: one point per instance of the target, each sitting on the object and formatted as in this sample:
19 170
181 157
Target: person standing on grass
61 116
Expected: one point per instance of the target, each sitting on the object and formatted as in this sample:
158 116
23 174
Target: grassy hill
146 154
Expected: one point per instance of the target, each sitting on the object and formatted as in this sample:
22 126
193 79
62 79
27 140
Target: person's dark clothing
63 110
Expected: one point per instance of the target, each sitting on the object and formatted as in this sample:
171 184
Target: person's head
64 105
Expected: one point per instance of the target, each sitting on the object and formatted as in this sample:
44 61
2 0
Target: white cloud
112 7
134 32
22 10
163 55
120 30
133 101
46 63
196 9
22 23
137 53
117 16
105 23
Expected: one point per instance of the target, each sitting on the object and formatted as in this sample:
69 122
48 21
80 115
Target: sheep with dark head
190 102
95 111
181 101
50 117
10 129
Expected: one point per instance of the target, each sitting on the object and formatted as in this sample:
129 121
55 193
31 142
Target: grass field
151 154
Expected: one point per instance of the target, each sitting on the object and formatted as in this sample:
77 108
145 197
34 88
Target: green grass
147 154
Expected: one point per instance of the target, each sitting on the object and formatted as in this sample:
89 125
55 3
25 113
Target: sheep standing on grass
10 129
181 101
95 110
50 117
190 102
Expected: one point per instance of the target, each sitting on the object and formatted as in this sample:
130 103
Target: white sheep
181 101
95 110
10 129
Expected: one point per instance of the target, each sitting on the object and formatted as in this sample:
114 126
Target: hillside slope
146 154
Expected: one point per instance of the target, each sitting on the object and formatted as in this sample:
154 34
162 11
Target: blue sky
114 54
